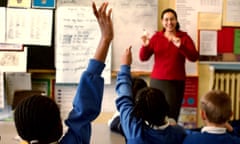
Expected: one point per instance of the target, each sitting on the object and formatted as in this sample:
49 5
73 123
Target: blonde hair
217 106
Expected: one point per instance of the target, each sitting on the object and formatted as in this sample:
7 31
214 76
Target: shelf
224 65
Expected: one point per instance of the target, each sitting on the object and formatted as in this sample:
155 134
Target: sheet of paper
1 90
77 37
209 21
13 61
187 11
233 11
41 27
62 2
2 24
11 47
191 68
29 26
17 81
208 43
210 14
211 6
18 25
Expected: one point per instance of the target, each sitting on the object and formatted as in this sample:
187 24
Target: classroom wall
38 53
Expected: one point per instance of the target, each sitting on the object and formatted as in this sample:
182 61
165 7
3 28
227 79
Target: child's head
217 106
137 84
151 106
37 118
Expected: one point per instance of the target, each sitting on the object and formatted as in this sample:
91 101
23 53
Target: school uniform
86 105
137 131
211 135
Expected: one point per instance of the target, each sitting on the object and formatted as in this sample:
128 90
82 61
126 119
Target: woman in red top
170 48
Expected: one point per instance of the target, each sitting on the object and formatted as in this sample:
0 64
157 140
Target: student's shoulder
236 139
207 138
195 137
176 129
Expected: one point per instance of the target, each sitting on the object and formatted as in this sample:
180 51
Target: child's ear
203 115
231 115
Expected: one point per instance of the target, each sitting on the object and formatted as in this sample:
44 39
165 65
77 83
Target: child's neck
210 124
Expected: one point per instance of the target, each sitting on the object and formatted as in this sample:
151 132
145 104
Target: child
137 84
215 112
144 122
37 119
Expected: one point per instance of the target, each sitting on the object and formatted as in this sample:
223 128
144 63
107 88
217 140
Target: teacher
170 48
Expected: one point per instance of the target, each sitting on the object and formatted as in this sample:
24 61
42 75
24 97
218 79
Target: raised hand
127 56
106 27
145 38
104 19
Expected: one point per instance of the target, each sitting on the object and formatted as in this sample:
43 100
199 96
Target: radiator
230 83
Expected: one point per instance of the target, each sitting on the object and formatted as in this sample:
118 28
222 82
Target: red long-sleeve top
169 60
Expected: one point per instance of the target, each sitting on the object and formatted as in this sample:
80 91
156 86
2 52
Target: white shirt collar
162 127
214 130
36 141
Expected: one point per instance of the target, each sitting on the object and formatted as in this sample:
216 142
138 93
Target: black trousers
174 92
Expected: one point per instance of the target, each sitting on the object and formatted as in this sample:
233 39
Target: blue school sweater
86 105
135 130
208 137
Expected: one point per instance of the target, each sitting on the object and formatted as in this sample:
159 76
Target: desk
101 134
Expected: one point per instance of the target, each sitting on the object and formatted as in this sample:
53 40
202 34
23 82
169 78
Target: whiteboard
129 19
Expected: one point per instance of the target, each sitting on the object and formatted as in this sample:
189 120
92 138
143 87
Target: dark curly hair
137 84
37 118
151 106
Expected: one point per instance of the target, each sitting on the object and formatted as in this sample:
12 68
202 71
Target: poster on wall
77 36
188 113
43 4
19 3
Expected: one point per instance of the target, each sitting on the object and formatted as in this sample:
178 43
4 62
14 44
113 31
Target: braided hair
37 118
137 84
151 106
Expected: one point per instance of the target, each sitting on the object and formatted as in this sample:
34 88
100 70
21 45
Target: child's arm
105 24
88 98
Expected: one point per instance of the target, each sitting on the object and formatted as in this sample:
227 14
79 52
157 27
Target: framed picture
44 4
19 3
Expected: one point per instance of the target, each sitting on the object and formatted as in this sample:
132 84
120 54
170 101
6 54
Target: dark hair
151 106
174 13
38 118
137 84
